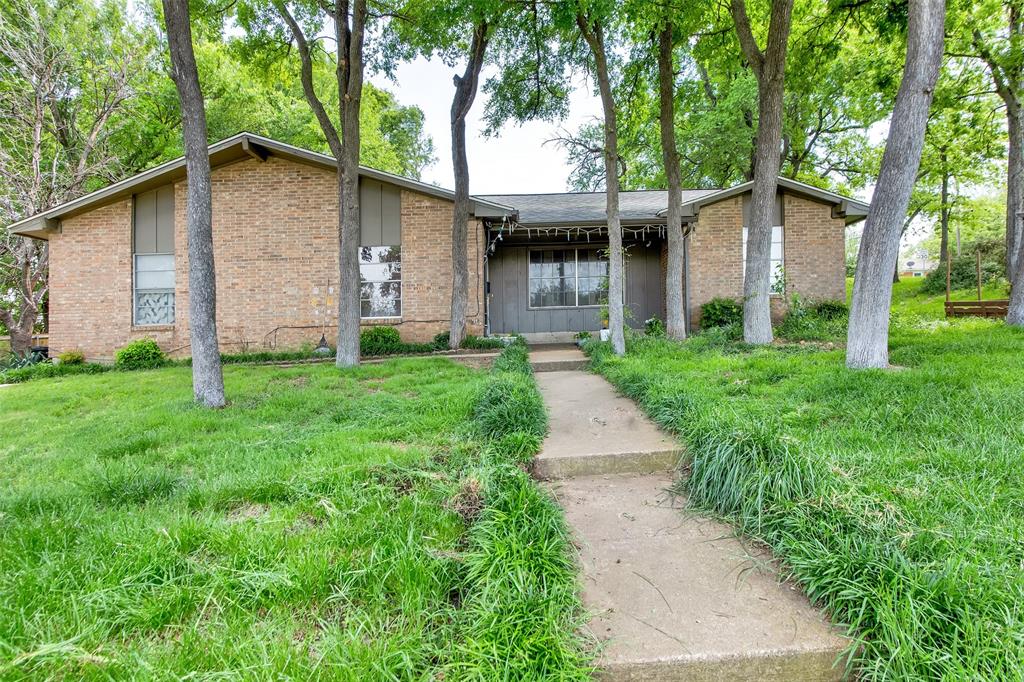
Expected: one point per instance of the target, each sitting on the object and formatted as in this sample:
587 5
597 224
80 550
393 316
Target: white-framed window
380 281
154 288
567 278
777 256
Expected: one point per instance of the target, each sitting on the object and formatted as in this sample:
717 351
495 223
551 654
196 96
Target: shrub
140 354
721 312
442 341
71 357
654 327
963 269
48 370
379 341
481 343
822 321
830 310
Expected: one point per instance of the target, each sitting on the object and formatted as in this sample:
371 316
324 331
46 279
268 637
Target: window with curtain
777 259
380 281
567 278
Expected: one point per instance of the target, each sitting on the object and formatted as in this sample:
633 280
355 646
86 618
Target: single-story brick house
119 271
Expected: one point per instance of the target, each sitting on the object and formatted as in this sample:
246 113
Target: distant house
119 270
916 264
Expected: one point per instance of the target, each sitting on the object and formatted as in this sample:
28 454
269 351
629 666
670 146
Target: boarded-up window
153 246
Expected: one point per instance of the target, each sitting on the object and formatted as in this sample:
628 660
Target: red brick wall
813 253
275 242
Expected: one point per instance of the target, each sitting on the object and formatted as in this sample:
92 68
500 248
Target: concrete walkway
673 596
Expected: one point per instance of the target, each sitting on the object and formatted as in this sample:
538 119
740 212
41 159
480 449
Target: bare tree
769 67
465 93
868 336
675 310
207 375
349 33
592 30
57 116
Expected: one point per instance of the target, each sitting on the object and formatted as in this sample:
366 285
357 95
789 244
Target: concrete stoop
673 596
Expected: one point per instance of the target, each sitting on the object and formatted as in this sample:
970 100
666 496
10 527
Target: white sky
516 161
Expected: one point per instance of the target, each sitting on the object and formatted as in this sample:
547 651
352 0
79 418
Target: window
562 278
153 256
154 289
380 281
776 256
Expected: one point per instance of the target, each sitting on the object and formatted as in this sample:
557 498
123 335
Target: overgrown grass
894 497
327 524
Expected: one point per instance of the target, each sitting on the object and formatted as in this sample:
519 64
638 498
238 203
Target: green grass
352 525
894 497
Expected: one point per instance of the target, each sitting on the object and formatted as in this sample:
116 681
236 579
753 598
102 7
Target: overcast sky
517 161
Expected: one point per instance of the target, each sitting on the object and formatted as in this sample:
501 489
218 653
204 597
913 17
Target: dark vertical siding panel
145 223
369 213
391 215
165 219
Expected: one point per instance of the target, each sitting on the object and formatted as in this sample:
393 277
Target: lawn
353 525
895 497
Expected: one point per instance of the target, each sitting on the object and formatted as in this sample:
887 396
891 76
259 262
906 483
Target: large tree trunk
675 313
349 74
350 89
1014 191
593 33
868 336
770 68
207 377
465 93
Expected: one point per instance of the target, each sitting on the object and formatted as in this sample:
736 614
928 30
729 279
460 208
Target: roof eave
240 146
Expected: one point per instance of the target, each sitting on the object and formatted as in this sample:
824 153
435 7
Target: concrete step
678 597
557 358
558 365
595 431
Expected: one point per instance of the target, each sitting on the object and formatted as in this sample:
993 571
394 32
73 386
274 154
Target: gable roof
240 146
851 210
582 208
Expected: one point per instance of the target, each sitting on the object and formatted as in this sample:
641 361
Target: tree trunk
1014 190
593 33
207 377
675 314
350 88
868 335
465 93
770 68
944 214
896 273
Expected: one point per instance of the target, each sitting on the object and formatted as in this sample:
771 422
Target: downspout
686 276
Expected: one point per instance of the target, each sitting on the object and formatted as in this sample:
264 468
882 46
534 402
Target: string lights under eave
641 232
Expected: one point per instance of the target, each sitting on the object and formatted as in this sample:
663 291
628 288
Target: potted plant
582 338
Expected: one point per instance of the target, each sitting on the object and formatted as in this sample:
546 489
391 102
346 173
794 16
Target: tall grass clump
521 614
892 498
509 409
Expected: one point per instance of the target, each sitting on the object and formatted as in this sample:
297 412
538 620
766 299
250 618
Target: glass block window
154 289
567 278
380 281
777 259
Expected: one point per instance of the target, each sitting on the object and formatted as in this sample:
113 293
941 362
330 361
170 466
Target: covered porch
548 282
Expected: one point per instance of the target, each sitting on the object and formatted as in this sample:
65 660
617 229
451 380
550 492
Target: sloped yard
350 525
895 497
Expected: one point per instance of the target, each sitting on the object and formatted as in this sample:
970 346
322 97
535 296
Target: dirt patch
300 381
468 502
248 511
